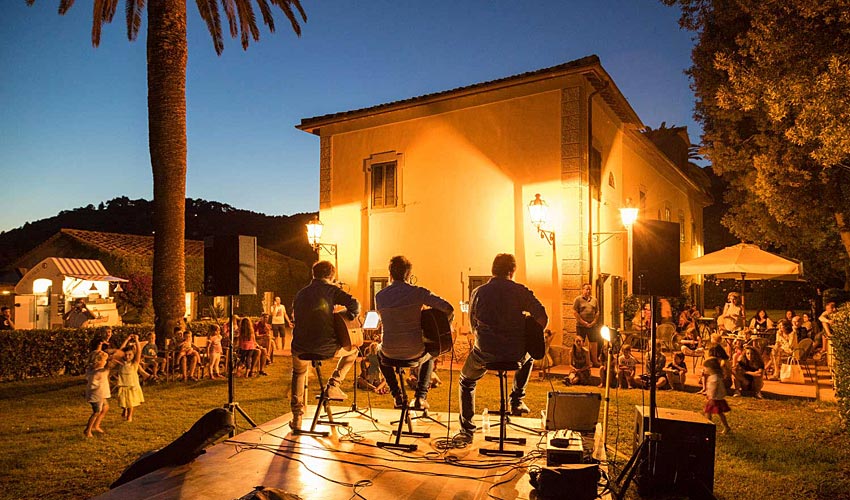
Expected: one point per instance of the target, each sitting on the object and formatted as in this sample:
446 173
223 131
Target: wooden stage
347 464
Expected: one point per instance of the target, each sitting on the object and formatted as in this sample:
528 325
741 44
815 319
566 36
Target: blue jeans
472 371
426 367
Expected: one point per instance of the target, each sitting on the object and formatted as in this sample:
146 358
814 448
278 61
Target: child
214 351
715 393
626 367
186 355
677 370
97 390
129 390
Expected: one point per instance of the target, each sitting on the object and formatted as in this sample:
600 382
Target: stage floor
348 464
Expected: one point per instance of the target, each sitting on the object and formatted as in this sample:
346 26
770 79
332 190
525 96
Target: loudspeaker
655 258
684 461
230 265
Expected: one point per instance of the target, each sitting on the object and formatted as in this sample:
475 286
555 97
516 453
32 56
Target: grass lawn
780 449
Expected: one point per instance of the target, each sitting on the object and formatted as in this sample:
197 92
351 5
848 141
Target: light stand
606 335
233 406
648 449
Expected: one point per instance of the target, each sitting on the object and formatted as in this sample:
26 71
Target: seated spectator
688 318
151 361
370 377
677 371
626 367
187 358
760 321
785 343
798 330
691 342
579 364
251 354
660 363
749 373
265 337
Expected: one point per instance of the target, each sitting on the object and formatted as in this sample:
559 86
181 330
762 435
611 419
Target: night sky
73 126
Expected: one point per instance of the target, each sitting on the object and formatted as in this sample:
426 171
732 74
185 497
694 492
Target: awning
57 269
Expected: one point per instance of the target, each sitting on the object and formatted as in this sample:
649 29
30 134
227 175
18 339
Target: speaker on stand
230 268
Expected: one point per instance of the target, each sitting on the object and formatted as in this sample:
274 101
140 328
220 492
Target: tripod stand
354 408
232 406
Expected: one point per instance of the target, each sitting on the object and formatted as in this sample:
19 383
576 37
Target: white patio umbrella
744 262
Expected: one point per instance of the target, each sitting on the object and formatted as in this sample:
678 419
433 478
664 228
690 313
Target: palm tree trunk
166 48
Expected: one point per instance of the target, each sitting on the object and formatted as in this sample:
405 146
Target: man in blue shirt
497 315
400 306
314 333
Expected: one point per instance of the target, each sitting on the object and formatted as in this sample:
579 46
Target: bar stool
316 361
400 365
503 367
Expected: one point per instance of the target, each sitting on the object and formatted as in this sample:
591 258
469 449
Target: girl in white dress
129 389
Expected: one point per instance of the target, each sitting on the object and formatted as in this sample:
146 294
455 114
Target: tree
166 63
772 80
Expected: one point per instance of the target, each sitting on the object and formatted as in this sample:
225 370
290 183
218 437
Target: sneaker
737 394
335 393
759 396
464 437
399 401
519 409
420 404
295 423
263 373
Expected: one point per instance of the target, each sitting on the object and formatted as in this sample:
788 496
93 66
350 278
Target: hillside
283 234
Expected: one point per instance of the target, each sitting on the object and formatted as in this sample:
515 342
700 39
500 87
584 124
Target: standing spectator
280 320
579 364
586 312
214 351
129 389
732 318
497 316
97 390
626 367
6 319
78 316
826 337
314 333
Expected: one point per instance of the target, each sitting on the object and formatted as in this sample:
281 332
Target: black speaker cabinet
655 258
230 265
685 459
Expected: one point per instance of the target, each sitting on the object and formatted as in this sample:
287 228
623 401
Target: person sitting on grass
660 376
187 356
626 367
579 364
97 390
690 342
677 370
715 394
129 389
749 373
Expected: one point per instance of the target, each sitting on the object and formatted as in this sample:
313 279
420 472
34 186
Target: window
375 286
693 233
384 185
475 282
681 226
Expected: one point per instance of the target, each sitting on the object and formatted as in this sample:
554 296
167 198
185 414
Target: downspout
589 189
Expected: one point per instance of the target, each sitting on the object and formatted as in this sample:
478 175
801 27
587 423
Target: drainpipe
589 190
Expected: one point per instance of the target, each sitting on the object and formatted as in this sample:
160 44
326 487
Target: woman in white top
732 318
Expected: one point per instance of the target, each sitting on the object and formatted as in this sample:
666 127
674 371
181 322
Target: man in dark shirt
497 315
314 333
6 319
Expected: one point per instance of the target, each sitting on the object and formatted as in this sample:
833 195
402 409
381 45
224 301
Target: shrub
841 349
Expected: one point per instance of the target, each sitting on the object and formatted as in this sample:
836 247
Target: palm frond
267 14
209 13
247 21
286 7
134 17
230 12
109 8
64 5
30 2
96 22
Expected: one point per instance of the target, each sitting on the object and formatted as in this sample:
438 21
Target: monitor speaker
684 462
230 265
655 258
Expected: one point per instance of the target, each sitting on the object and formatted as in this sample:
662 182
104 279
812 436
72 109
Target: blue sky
73 129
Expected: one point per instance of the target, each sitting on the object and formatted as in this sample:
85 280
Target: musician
497 318
314 333
400 306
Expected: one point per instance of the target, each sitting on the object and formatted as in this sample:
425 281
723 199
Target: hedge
841 350
48 353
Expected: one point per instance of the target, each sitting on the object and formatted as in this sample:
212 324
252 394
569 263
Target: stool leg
503 425
404 418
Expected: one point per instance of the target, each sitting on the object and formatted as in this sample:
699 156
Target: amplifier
563 447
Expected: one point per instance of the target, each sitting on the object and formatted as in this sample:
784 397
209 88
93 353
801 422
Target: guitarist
400 306
314 333
496 314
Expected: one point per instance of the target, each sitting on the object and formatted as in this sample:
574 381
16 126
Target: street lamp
314 234
538 211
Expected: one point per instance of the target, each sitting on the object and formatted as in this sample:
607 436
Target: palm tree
166 54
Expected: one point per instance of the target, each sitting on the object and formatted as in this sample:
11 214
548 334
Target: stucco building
446 179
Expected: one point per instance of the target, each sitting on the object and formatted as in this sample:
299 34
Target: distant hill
283 234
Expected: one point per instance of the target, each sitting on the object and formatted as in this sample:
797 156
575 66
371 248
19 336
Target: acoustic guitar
349 333
436 332
535 340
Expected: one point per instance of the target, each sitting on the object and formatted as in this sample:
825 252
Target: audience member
785 343
760 321
626 367
263 333
798 330
749 373
716 351
151 361
280 320
188 358
214 351
6 319
732 318
677 370
688 318
660 363
715 394
97 390
129 389
251 354
579 364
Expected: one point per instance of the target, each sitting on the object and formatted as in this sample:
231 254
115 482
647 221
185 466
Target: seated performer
314 334
497 317
400 306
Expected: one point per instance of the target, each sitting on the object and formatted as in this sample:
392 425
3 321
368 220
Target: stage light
606 333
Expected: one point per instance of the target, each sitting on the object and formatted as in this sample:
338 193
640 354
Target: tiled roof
131 244
604 85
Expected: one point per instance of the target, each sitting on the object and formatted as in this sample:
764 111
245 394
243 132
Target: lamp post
314 234
538 211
